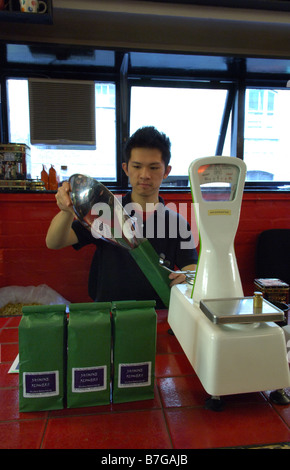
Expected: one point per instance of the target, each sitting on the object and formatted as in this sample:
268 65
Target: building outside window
266 135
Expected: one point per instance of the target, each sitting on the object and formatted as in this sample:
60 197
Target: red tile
162 324
86 410
167 344
188 391
22 434
182 391
169 365
11 409
7 380
3 321
198 428
155 403
282 410
9 352
9 335
14 321
162 327
132 430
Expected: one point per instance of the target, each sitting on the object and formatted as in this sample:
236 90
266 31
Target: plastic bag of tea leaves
89 354
42 351
134 349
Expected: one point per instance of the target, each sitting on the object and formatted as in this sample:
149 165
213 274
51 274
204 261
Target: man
114 275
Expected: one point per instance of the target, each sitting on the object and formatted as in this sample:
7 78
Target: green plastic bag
134 349
89 354
148 261
42 348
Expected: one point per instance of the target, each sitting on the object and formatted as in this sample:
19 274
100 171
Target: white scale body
231 357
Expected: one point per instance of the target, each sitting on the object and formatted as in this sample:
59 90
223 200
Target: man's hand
63 199
60 233
177 278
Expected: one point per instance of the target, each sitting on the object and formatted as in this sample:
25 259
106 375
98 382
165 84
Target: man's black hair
149 137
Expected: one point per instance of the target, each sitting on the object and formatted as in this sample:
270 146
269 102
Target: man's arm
60 234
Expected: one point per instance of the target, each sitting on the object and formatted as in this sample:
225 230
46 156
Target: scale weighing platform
240 311
233 345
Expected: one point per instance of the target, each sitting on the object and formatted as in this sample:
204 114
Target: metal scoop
101 212
189 275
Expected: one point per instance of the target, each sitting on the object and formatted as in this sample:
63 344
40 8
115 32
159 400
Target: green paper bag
134 349
89 354
148 261
42 347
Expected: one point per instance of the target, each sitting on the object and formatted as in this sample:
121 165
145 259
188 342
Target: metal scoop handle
189 275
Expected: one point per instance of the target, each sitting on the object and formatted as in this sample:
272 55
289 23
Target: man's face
146 171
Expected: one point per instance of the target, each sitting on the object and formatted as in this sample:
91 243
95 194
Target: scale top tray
239 310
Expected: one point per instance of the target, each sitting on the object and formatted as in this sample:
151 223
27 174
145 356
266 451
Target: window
190 117
99 163
266 134
198 101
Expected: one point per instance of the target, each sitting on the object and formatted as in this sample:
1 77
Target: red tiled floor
139 405
138 430
170 365
22 434
197 428
8 380
84 411
10 411
162 324
3 321
13 322
9 352
182 391
283 411
167 344
9 335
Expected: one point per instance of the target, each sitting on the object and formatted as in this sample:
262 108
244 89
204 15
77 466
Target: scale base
278 397
228 359
214 404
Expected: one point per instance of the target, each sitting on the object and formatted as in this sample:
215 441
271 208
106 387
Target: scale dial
218 181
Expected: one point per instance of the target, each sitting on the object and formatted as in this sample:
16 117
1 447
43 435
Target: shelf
12 13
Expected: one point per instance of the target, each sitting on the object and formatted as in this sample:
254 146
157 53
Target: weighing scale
232 343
